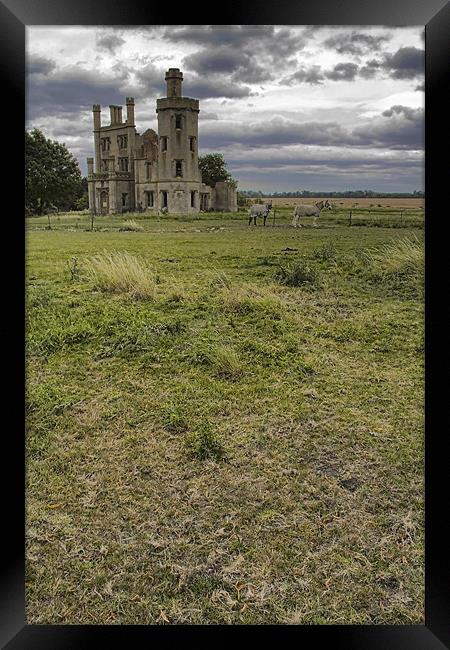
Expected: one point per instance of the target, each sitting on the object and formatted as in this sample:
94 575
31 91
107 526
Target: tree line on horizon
347 194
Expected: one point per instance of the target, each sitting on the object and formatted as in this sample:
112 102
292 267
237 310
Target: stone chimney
130 111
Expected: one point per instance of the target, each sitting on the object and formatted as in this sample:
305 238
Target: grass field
224 423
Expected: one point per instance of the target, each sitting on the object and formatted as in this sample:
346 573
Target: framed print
233 305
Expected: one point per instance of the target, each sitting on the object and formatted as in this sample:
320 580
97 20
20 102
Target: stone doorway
104 202
204 202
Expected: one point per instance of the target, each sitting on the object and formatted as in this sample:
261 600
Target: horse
303 210
259 210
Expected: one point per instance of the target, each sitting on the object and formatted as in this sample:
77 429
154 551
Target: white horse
303 210
259 210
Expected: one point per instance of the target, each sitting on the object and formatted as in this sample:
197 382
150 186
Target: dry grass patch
245 298
132 226
121 272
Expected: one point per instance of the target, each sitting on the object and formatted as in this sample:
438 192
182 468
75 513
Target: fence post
274 211
350 218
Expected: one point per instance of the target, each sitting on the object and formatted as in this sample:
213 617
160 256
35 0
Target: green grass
224 448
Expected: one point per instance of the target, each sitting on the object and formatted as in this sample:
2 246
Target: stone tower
178 145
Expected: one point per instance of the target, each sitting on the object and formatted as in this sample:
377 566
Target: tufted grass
121 272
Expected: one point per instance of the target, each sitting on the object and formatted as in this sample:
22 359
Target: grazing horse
259 210
302 210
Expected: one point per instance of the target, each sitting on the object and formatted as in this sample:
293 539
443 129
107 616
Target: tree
52 175
213 169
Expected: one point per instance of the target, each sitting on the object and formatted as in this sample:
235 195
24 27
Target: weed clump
174 419
131 225
299 273
222 359
204 444
326 253
120 272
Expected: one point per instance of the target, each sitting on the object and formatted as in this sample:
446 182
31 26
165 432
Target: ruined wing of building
154 172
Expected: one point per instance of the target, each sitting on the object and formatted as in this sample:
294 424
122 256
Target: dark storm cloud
406 63
409 113
312 75
235 35
275 132
399 127
39 65
238 66
109 41
369 70
355 43
203 89
323 162
151 80
250 53
71 90
343 72
222 59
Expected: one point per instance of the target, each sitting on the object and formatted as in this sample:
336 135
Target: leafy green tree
213 169
242 200
52 175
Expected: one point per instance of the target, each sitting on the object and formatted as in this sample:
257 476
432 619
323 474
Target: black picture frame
434 15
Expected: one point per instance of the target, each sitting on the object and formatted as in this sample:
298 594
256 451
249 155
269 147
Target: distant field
224 423
359 203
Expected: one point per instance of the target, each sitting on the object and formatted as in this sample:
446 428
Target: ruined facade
154 172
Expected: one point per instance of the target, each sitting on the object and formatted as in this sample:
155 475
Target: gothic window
178 168
123 164
178 122
163 199
149 199
192 144
193 199
122 141
147 170
105 144
124 199
164 143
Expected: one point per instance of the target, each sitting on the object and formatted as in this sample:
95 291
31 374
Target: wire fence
278 217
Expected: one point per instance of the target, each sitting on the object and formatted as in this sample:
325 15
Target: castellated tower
178 146
154 172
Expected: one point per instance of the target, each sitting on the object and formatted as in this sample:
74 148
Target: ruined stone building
154 171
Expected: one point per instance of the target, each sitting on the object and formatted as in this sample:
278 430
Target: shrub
204 444
120 272
132 226
298 273
399 265
326 253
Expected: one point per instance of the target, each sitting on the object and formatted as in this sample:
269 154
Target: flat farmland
353 203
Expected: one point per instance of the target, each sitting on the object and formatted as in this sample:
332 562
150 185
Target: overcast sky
291 108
